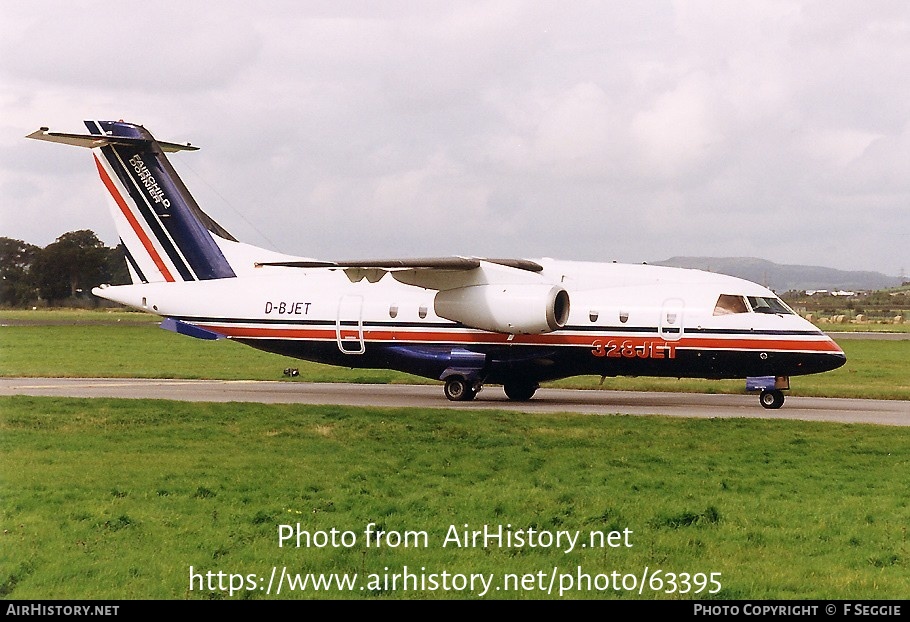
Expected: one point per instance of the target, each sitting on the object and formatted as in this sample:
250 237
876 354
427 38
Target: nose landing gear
771 399
772 389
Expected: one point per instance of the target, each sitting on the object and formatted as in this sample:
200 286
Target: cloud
678 133
587 130
155 48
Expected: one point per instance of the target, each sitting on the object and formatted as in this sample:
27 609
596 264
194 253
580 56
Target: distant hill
782 278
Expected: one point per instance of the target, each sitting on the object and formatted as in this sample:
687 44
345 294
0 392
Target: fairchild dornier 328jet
465 321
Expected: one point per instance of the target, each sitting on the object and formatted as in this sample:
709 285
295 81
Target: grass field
118 499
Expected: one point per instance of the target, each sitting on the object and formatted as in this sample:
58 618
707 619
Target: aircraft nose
835 358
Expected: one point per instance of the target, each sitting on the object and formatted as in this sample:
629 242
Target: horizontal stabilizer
91 141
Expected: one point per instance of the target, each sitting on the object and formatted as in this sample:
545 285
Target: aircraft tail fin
166 235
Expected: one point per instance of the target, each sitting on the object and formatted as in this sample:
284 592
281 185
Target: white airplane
463 320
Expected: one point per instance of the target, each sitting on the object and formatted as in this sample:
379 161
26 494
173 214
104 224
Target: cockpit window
728 304
768 304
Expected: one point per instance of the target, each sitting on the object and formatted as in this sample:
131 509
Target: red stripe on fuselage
137 228
823 345
552 339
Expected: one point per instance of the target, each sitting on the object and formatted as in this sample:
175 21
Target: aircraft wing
500 295
432 273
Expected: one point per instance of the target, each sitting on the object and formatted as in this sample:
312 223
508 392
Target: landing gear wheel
773 398
520 391
459 389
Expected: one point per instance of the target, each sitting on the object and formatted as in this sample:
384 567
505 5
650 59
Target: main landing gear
520 391
461 389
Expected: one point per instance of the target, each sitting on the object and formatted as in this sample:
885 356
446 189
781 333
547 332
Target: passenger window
728 304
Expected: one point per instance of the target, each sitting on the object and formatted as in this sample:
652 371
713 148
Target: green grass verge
145 351
65 316
79 344
116 499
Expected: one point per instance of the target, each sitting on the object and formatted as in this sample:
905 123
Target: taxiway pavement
599 402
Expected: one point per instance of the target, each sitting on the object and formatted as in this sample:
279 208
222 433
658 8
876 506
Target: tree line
62 273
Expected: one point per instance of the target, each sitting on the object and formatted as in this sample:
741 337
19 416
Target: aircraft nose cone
835 360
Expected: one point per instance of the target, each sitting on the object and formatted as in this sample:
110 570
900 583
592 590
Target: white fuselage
623 319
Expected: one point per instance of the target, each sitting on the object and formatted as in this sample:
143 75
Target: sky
595 131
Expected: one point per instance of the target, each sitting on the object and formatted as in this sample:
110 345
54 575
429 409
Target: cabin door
671 319
349 325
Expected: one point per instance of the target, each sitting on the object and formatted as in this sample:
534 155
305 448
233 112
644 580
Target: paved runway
874 336
882 412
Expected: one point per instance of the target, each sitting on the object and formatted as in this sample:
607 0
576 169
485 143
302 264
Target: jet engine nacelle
520 309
